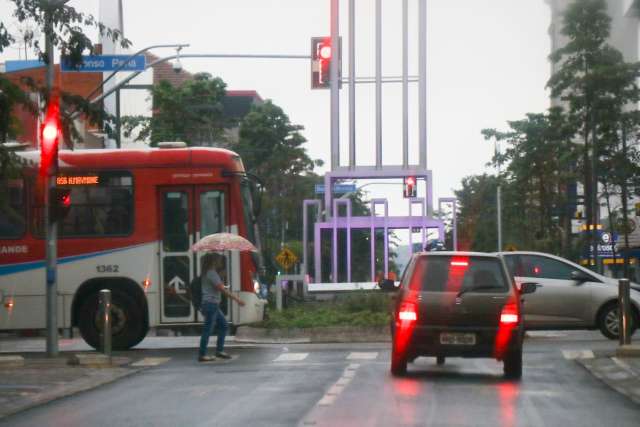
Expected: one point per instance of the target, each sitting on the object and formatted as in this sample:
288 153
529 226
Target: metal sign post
624 326
105 320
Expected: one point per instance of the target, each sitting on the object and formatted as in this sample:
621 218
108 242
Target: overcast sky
487 63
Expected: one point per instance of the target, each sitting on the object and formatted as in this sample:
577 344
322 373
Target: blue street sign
18 65
337 188
102 63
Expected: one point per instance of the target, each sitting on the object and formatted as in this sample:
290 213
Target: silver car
568 296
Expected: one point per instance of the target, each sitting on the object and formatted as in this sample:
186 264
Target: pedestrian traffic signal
59 203
49 137
322 53
409 187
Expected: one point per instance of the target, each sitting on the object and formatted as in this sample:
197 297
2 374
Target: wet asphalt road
349 385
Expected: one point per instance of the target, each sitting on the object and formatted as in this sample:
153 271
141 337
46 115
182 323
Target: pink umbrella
223 242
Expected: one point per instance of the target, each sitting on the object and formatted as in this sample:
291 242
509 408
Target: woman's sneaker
223 355
206 358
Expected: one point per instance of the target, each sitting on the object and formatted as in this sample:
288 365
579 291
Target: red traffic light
60 203
49 137
321 58
324 51
409 189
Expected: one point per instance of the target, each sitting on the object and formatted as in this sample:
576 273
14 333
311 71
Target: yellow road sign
286 258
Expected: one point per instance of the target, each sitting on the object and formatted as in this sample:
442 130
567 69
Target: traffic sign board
337 188
286 258
102 63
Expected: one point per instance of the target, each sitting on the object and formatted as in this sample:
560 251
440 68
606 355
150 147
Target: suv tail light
509 314
408 311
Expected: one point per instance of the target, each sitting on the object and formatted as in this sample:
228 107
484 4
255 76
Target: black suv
459 304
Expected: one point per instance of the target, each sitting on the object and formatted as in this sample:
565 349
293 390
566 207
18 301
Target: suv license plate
457 338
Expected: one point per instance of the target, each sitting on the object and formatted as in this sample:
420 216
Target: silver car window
545 268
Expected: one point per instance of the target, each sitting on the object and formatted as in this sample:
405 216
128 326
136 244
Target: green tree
191 112
596 85
477 213
540 158
272 148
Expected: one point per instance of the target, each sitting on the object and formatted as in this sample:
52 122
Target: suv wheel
513 365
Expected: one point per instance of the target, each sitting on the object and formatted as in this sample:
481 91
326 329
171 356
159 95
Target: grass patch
362 309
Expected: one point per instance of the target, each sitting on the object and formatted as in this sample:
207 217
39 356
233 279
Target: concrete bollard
105 319
624 319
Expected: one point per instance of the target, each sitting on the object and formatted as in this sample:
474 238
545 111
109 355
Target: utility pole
51 231
50 226
498 200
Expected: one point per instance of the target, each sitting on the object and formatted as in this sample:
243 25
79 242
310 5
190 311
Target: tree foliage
191 112
272 148
591 139
67 29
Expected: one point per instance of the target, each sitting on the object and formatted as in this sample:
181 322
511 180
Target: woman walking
212 290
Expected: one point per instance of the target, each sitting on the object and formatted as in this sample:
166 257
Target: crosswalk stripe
291 357
577 354
151 361
371 355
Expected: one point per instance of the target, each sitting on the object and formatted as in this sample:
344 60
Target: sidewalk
38 345
28 378
40 380
620 373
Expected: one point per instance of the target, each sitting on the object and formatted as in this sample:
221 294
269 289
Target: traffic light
59 203
322 53
409 188
49 137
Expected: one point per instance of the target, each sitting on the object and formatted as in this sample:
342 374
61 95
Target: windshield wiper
478 288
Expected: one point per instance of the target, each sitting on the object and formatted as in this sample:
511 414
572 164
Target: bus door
187 213
211 216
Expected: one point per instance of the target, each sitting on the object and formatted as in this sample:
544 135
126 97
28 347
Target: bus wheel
127 326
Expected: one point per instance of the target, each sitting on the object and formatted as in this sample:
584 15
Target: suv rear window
455 273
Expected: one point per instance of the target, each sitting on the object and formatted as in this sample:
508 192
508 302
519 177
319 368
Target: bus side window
12 209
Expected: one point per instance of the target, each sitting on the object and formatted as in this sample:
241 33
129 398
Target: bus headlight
256 286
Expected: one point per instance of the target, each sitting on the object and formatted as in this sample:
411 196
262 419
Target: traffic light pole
49 224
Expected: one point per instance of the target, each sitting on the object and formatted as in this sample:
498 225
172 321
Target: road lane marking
338 387
343 381
348 373
327 400
151 361
371 355
577 354
335 390
291 357
545 334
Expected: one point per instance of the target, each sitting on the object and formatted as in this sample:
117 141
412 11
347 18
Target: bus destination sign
78 180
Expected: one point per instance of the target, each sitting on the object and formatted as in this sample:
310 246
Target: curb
100 378
11 362
616 373
337 334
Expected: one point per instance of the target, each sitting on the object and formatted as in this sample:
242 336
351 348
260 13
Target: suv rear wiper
477 288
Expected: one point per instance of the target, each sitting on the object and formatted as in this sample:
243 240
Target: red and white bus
134 215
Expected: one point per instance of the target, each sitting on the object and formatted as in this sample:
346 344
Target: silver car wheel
611 321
